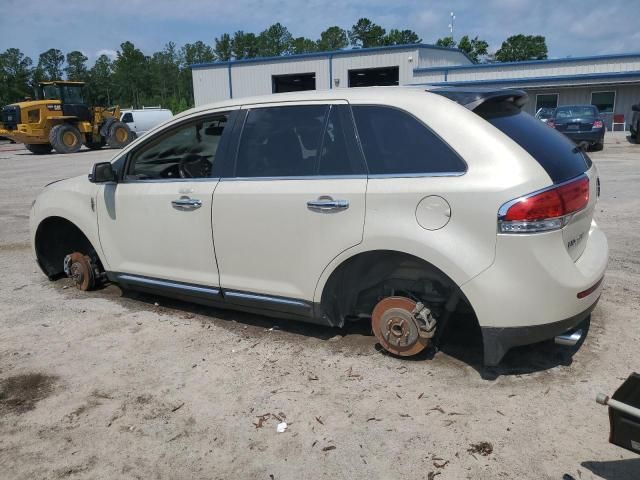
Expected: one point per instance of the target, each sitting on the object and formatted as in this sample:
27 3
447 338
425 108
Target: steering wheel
194 166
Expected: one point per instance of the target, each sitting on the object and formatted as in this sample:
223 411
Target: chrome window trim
299 177
417 175
502 211
174 180
168 284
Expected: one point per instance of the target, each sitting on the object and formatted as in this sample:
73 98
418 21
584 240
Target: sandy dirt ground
112 384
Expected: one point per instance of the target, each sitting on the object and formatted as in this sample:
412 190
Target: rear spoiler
472 98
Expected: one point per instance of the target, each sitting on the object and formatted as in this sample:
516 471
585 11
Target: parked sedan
259 204
581 123
544 114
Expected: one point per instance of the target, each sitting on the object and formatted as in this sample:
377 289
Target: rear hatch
555 153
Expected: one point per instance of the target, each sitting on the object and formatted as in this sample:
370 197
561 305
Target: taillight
551 123
597 124
548 209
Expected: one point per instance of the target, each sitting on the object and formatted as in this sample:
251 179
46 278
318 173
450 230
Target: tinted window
189 151
339 151
561 159
395 142
604 101
127 117
72 94
281 141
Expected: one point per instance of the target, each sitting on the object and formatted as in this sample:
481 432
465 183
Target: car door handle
186 203
327 204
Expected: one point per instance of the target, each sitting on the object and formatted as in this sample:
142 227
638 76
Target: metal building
612 82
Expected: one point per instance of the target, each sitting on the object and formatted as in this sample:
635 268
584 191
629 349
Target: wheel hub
396 327
78 268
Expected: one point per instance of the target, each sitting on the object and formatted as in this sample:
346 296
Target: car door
156 221
293 199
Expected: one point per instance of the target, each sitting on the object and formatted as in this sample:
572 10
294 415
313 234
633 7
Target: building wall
255 78
210 84
404 59
431 57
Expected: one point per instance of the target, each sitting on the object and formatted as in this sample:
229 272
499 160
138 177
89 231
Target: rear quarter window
395 143
558 155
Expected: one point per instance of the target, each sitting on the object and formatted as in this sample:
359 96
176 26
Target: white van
141 121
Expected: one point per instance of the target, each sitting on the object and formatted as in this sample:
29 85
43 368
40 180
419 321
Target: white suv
397 205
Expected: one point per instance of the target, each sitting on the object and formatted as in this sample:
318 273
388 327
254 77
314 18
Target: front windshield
50 92
575 112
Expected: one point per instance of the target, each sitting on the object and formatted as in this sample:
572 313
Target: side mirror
102 172
636 107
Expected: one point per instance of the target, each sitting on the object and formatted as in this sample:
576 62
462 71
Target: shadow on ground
615 469
462 341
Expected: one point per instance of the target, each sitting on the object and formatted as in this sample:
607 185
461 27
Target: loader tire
65 138
119 135
39 148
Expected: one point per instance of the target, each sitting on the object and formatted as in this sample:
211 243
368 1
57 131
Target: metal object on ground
569 338
78 267
402 326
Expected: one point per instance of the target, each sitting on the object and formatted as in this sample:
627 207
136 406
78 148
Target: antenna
453 19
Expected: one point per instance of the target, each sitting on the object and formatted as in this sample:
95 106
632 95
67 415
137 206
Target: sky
571 27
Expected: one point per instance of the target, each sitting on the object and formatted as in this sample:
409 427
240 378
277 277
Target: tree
518 48
76 68
222 49
447 42
198 52
474 47
50 64
333 38
15 71
100 82
401 37
274 41
130 74
244 45
303 45
366 34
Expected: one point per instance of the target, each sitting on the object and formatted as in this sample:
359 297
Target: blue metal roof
616 56
525 80
350 51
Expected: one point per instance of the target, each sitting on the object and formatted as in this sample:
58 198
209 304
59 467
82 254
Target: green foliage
222 50
303 45
366 34
518 48
447 42
76 68
401 37
50 65
244 45
333 38
15 76
274 41
474 48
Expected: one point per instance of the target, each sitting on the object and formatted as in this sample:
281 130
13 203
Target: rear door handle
186 203
327 204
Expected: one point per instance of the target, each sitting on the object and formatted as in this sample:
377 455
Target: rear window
576 112
558 155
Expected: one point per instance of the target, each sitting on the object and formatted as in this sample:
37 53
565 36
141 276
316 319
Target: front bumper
498 341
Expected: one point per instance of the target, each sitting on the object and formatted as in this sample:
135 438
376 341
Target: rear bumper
592 136
498 341
531 292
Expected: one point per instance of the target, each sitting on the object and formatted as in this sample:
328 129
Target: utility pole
453 19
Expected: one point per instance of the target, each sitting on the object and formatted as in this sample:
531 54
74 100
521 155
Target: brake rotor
396 328
78 268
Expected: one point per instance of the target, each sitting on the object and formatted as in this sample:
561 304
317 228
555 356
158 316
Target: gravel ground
111 384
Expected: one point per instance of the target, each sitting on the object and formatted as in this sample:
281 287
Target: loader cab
70 94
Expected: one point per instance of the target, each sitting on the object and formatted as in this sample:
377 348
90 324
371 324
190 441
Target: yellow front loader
60 119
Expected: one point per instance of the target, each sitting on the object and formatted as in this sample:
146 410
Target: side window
188 151
339 153
394 142
127 117
281 141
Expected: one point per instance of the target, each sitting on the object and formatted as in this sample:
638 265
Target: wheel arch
54 238
339 288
